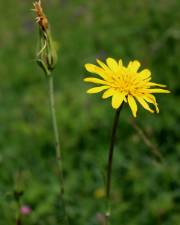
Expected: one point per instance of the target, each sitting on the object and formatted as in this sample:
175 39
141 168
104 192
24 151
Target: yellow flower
99 193
124 84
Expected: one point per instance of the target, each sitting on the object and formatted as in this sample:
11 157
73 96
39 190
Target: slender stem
147 141
110 160
18 217
57 141
18 193
56 131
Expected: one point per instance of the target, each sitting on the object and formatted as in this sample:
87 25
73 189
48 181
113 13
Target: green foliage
144 192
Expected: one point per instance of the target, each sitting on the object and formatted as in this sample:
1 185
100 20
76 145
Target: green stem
110 160
18 217
17 196
57 142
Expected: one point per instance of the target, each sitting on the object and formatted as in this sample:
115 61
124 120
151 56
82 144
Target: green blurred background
145 192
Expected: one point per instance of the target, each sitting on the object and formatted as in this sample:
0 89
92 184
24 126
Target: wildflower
47 59
124 84
46 54
99 192
25 210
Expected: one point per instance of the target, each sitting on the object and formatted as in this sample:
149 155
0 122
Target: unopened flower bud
46 54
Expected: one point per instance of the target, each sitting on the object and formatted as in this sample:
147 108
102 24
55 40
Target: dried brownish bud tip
41 19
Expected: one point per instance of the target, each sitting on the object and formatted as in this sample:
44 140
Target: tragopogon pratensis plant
46 58
125 84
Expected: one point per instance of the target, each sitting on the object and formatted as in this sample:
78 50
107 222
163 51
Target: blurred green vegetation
145 192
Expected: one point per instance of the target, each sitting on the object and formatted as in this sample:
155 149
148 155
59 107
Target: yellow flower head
99 192
124 84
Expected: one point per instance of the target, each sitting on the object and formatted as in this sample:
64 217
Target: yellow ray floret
124 84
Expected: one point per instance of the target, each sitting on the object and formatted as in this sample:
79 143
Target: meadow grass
144 192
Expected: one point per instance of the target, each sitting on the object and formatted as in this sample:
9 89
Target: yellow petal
120 63
113 65
132 104
129 64
96 89
151 99
117 99
95 80
155 84
144 103
157 90
108 93
103 65
125 99
144 74
134 66
95 69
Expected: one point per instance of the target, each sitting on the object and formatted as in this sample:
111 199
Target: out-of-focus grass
144 192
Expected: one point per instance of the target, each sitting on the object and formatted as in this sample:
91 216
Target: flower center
125 83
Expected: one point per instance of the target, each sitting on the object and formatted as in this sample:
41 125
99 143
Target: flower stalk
57 143
18 193
56 131
17 196
153 148
110 161
47 58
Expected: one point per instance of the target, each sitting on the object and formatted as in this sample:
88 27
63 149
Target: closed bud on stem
46 55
